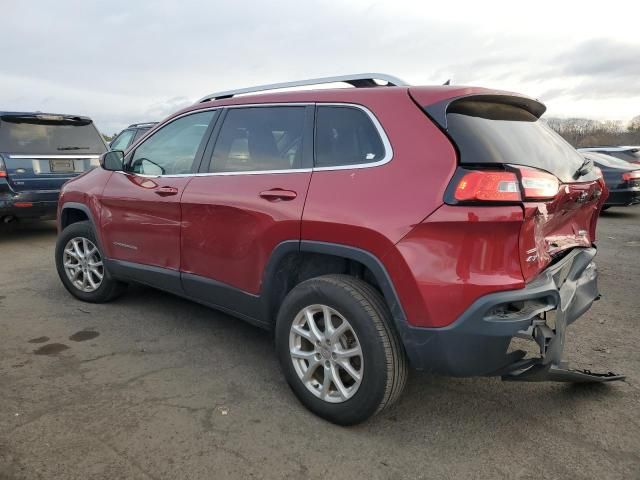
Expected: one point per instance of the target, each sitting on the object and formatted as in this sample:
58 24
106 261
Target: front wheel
81 267
338 350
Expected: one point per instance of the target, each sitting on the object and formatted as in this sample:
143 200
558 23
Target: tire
108 287
382 366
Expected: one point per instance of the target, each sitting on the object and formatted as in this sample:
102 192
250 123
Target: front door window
172 149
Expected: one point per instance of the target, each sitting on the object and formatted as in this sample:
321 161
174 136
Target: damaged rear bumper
477 343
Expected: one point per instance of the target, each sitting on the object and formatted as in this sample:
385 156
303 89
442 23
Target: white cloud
121 61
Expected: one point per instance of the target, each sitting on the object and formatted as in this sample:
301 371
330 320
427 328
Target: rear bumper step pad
553 373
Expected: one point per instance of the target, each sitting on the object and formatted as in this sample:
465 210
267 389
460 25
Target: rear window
494 133
49 134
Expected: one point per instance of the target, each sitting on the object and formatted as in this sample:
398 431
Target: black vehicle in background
628 154
129 135
38 153
622 178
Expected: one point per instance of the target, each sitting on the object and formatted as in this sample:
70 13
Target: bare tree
585 132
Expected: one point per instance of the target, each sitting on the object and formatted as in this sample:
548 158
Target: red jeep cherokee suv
372 228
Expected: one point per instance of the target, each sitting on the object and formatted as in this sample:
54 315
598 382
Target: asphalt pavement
155 387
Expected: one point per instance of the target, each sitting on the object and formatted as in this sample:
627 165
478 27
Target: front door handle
276 194
166 191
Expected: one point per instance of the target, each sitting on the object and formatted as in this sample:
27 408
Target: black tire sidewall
370 394
106 288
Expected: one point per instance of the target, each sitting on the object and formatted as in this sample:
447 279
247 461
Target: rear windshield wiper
73 148
586 167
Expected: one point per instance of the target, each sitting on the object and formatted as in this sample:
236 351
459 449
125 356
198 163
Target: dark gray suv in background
129 135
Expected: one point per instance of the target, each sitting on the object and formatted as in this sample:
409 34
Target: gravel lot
152 386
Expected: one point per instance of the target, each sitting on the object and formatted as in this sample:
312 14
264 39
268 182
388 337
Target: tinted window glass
489 132
172 149
49 134
121 142
627 155
346 136
259 138
607 160
140 133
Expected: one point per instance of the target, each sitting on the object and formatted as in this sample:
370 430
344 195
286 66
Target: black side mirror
112 161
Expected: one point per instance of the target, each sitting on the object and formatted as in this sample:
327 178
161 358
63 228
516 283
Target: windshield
49 134
487 132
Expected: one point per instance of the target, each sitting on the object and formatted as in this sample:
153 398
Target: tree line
584 132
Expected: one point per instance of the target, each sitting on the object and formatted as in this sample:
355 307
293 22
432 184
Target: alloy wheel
326 353
83 264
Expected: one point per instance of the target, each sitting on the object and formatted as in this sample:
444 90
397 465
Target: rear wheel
81 267
338 350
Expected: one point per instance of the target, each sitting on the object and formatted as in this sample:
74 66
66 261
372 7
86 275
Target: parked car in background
622 179
629 154
129 135
38 153
371 229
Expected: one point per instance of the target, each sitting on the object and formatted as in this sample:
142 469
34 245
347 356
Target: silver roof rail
358 80
142 124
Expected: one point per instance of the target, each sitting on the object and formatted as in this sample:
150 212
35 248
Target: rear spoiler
438 111
45 119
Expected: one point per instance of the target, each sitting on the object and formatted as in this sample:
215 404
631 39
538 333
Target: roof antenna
448 82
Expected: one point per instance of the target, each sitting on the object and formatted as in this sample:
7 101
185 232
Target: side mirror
112 161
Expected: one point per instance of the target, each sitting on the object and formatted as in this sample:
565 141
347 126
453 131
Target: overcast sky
124 61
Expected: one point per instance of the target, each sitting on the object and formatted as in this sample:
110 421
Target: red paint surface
565 222
454 257
134 214
229 230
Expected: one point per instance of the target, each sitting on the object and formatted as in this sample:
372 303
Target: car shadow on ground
428 400
26 230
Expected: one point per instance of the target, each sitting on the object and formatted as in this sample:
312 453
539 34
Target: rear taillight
631 175
487 186
538 185
521 183
3 168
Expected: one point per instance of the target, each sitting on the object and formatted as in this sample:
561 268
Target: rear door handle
276 194
166 191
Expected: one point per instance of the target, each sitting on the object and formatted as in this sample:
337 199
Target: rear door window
346 136
172 149
260 139
488 133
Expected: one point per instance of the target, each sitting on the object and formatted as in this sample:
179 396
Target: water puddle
51 349
84 335
39 340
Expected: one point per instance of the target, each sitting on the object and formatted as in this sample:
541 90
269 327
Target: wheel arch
293 262
73 212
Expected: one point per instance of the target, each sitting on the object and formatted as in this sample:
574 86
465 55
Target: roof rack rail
358 80
141 124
